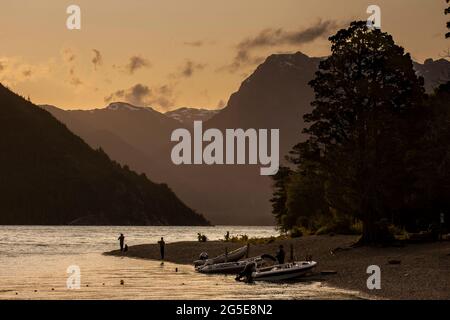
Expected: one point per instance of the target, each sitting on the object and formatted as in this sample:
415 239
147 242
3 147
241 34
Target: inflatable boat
230 257
235 267
286 271
226 267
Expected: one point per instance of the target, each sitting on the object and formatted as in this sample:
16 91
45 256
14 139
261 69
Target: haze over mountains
50 176
276 95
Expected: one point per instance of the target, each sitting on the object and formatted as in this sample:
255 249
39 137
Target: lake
35 259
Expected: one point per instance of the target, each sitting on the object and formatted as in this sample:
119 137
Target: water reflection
101 278
34 261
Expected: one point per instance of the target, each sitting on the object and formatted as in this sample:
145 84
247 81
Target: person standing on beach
121 241
280 254
162 245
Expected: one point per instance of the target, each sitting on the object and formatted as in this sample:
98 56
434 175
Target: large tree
305 192
366 98
432 159
279 210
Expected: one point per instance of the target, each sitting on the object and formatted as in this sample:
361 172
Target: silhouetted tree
279 196
305 197
432 160
366 96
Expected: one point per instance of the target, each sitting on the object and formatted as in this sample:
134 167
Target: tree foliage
377 148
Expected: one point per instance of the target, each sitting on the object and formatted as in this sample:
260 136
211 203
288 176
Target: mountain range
50 176
189 115
275 96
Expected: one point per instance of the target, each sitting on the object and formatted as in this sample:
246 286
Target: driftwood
328 272
339 249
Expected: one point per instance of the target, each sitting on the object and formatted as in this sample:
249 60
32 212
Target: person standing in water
121 241
162 245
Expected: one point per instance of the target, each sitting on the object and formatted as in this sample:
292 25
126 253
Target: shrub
397 231
296 232
239 238
323 230
341 226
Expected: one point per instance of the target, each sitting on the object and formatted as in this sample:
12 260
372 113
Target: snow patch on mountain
126 106
189 115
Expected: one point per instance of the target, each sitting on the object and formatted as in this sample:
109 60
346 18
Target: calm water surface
34 261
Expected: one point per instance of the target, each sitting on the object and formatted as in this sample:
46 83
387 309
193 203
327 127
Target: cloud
242 59
190 67
75 81
97 60
14 70
274 37
68 55
187 70
270 38
163 96
198 43
27 72
135 63
143 95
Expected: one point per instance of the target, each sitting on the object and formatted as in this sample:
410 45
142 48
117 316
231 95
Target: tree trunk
375 233
370 233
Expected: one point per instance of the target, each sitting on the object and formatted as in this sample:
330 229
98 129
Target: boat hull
283 272
223 268
230 257
229 267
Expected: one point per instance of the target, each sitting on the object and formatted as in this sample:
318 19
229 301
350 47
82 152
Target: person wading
121 241
162 245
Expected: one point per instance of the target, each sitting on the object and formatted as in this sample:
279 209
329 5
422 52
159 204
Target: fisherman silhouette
121 241
162 245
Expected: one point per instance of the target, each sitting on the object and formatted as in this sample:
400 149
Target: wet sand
421 271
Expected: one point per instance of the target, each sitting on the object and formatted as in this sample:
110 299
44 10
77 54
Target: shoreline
413 271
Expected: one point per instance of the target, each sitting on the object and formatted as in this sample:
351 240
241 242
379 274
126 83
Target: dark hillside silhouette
51 176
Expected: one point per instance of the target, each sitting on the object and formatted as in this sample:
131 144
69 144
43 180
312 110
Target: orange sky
168 54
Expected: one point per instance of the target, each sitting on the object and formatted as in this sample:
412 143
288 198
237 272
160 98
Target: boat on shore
233 256
281 272
224 268
234 267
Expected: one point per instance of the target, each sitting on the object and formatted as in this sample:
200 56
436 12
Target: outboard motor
247 272
203 256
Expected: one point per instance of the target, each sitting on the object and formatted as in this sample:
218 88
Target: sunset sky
168 54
